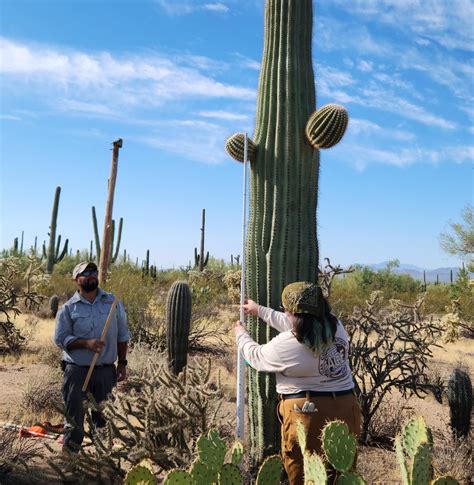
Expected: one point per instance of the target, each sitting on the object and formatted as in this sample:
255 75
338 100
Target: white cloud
216 7
448 23
10 117
361 156
205 145
223 115
248 63
180 7
100 78
359 126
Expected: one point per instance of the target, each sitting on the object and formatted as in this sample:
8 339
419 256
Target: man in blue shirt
79 326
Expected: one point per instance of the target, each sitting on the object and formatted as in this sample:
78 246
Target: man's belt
65 363
316 394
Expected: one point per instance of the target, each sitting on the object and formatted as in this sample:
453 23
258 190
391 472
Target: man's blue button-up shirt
78 318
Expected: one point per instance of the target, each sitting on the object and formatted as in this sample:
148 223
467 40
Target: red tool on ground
37 431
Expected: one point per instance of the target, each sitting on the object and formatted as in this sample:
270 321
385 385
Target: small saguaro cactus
113 252
178 322
54 305
199 260
459 393
53 255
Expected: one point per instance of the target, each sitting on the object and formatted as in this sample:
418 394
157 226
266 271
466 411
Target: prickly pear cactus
270 471
212 452
445 481
237 452
350 479
284 170
178 477
301 435
200 473
178 322
140 475
230 475
314 469
422 470
339 445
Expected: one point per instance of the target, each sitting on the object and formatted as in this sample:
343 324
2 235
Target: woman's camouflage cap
303 297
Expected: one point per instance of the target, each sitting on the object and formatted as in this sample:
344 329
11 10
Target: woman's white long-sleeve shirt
294 364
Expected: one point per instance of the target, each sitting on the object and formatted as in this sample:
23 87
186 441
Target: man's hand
121 372
239 328
250 307
94 345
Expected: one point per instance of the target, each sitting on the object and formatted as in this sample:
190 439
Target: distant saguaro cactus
178 322
199 260
459 393
53 255
113 253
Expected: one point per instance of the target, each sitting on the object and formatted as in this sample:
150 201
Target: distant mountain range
443 274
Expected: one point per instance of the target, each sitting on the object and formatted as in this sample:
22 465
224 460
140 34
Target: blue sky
174 78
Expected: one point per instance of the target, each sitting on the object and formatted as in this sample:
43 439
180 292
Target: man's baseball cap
82 266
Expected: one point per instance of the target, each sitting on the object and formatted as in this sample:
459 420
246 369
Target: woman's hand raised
250 307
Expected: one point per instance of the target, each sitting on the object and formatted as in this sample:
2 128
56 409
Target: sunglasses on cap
89 272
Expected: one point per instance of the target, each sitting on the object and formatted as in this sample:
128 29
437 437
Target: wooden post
105 252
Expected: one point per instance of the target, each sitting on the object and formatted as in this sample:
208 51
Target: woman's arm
262 358
277 320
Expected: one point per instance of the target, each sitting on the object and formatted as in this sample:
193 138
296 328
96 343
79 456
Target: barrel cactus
178 322
459 393
282 245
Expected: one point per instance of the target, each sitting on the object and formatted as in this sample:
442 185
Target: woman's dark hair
313 331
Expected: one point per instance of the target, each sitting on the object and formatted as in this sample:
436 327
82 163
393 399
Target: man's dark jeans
101 384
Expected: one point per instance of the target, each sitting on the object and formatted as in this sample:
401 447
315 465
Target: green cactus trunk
178 323
282 246
53 255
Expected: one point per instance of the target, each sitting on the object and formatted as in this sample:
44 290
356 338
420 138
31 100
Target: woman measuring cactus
310 360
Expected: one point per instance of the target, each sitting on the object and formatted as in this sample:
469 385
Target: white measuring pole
240 360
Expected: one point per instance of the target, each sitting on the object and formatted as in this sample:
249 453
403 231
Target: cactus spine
459 393
113 253
199 260
178 322
53 255
281 246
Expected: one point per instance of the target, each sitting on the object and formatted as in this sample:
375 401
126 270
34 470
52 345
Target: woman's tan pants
328 408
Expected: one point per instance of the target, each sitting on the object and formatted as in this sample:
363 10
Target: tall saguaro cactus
282 246
53 255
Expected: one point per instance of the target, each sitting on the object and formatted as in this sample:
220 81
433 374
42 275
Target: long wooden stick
102 338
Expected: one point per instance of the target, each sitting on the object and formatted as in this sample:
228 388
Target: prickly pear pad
401 460
178 477
414 433
200 473
339 445
270 471
230 475
212 451
237 452
301 434
422 470
314 469
140 474
350 479
445 481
